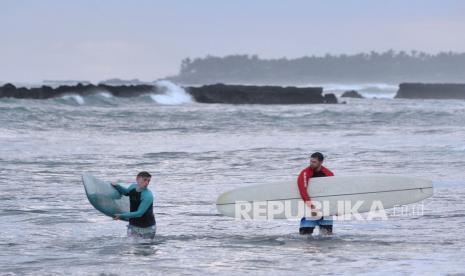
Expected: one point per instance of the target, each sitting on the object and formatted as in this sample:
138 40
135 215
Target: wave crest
172 94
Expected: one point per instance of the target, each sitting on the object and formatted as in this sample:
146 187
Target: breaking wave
172 94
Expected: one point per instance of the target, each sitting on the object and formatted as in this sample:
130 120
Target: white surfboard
104 197
336 195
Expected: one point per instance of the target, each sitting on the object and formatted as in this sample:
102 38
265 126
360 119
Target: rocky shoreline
233 94
217 93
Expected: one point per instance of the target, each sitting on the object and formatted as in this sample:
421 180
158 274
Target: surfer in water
141 219
316 169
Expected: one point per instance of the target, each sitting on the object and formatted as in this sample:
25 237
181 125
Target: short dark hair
144 174
318 155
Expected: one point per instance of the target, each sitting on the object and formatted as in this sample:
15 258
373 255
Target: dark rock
351 94
431 91
9 86
8 90
330 98
251 94
46 92
129 90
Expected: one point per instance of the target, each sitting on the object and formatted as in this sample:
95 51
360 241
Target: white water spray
174 94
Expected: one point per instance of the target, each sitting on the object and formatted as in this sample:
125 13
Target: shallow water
197 151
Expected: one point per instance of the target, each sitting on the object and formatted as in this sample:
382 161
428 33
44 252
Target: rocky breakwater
218 93
252 94
46 92
431 91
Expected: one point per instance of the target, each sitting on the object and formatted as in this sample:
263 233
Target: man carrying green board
316 169
141 219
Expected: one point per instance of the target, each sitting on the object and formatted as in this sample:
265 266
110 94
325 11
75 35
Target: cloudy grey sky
95 40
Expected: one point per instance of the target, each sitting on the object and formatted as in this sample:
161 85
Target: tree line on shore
387 67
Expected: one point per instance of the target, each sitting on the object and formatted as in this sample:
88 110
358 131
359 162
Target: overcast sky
95 40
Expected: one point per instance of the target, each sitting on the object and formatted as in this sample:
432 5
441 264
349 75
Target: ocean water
197 151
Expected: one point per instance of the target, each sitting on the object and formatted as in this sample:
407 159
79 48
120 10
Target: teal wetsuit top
141 205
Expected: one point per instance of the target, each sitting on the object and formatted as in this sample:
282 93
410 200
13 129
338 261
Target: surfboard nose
224 198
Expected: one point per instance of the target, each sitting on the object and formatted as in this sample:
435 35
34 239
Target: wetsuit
141 219
308 225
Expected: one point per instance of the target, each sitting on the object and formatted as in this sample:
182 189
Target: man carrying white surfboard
141 219
316 169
